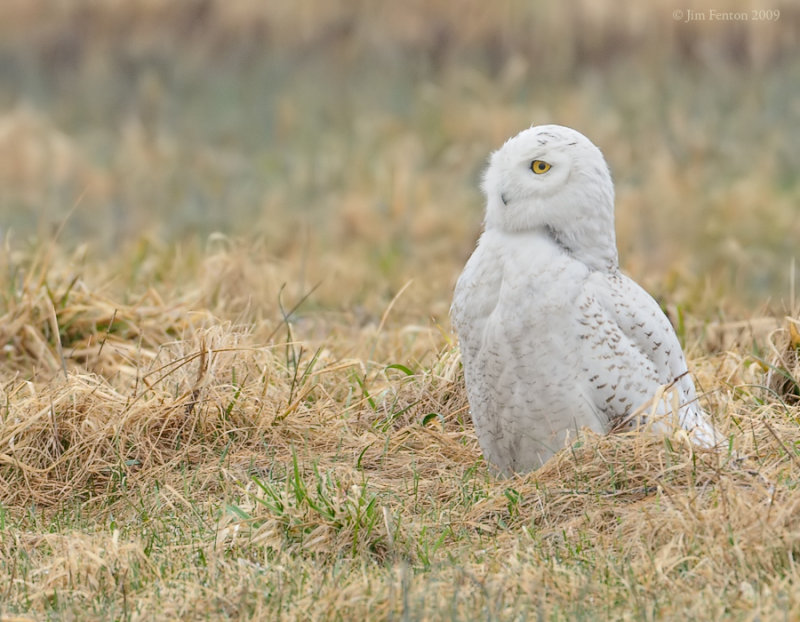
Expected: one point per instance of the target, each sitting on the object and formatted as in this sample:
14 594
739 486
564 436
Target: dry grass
161 459
269 422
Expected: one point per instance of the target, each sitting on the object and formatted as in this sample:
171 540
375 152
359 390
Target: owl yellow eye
540 166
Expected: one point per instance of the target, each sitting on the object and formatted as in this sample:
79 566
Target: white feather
553 337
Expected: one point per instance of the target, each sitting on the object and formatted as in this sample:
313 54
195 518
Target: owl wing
631 349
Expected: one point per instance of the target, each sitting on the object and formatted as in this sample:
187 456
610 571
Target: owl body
553 337
525 395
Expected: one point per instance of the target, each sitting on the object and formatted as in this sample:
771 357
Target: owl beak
503 198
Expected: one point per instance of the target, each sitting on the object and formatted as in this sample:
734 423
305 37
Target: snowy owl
553 336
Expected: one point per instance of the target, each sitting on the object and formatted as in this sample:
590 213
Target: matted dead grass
160 459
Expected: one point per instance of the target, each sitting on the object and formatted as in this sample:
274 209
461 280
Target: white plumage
553 336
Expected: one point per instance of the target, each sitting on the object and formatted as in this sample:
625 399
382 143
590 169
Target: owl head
552 179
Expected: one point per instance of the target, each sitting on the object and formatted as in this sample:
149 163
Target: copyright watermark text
718 15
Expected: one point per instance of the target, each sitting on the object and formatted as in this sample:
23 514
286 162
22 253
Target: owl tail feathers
701 431
665 414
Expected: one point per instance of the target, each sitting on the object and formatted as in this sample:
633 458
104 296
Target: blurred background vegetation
346 138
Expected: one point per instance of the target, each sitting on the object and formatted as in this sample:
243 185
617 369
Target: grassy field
231 232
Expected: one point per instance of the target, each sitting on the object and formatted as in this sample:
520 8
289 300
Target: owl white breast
553 337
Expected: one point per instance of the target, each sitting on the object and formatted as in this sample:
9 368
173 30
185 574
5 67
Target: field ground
231 389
